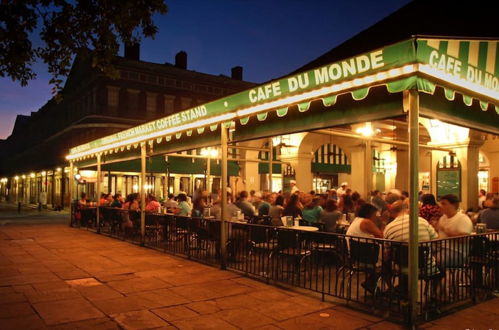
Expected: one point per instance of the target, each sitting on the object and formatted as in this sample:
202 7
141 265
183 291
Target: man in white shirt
294 188
453 223
343 189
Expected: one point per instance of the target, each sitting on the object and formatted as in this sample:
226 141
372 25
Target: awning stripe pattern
469 67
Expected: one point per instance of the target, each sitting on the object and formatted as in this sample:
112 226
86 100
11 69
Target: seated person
452 223
490 216
330 216
152 204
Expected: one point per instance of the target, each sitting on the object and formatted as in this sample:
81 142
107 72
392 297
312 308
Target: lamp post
209 153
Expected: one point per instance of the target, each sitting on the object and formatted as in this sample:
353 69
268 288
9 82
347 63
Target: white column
358 174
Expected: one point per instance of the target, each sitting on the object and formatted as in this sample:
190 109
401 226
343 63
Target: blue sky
269 38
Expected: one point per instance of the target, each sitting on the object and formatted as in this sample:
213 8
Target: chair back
364 252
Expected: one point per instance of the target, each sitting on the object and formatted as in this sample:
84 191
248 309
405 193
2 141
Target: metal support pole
52 189
99 173
208 173
413 101
109 182
271 158
223 233
142 192
71 183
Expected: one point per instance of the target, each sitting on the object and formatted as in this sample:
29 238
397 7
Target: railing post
223 233
412 98
98 193
142 193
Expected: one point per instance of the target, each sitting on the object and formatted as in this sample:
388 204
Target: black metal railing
366 272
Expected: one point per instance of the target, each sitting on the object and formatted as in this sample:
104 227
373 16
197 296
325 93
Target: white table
305 228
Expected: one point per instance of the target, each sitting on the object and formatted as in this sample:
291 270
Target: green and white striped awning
467 67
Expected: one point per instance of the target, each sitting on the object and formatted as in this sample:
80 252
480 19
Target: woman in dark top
490 216
199 205
292 208
347 205
330 216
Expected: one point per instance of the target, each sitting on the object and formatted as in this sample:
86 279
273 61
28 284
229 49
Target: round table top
306 228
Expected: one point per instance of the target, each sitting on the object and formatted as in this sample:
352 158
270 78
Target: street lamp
209 153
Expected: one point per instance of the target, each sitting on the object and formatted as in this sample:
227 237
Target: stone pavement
53 276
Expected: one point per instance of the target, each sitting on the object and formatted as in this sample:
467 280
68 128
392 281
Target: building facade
92 106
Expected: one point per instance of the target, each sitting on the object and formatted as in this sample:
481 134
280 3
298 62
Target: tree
91 29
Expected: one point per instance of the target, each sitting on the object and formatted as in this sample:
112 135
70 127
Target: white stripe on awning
453 48
473 54
491 57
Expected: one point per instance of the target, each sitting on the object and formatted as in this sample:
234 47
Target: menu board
449 182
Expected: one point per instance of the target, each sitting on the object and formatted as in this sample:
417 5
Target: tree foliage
91 29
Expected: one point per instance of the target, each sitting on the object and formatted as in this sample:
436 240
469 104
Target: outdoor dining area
421 113
367 273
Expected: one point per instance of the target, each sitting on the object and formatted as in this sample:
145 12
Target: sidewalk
53 276
30 215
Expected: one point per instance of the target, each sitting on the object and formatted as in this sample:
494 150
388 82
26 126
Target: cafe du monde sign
381 60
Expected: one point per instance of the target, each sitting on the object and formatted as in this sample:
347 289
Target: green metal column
98 192
142 183
271 158
223 231
413 102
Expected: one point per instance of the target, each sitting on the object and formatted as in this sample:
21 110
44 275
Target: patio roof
467 67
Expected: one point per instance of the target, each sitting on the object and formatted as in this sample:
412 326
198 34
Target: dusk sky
267 38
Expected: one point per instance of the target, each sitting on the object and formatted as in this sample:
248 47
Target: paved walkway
53 276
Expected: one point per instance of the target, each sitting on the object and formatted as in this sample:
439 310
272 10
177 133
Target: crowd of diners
384 215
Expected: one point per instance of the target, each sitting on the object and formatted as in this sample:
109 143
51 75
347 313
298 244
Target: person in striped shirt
398 229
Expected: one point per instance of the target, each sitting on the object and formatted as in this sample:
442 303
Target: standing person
343 189
312 212
330 216
294 188
430 211
482 196
453 223
276 210
183 206
292 209
245 206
